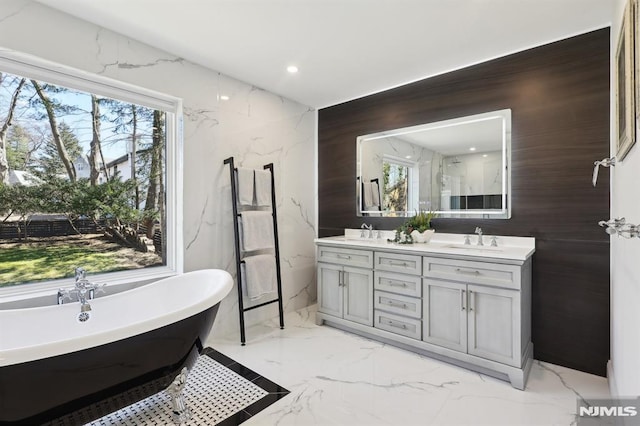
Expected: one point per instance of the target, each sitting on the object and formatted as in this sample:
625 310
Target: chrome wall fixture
620 227
616 226
605 162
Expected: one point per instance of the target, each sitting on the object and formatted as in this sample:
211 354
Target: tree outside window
82 182
395 186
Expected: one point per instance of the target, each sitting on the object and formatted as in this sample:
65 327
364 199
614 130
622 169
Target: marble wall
255 126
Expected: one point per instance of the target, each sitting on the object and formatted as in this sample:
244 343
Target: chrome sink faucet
479 232
365 227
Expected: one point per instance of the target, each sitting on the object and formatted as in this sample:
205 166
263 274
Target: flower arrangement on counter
416 229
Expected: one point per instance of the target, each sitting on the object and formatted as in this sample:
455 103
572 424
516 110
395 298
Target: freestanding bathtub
55 368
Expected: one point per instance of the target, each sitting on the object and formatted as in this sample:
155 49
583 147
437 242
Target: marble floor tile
338 378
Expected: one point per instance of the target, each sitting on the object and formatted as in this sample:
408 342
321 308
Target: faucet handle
467 240
63 295
478 230
494 241
94 289
99 288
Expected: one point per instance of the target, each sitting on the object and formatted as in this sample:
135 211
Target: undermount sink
474 248
350 238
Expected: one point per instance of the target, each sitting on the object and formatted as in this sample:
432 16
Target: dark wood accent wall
559 98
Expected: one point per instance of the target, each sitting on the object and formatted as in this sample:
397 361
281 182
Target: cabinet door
358 295
445 314
494 324
330 289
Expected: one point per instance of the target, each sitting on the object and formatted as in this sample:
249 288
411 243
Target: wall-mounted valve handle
620 227
612 226
605 162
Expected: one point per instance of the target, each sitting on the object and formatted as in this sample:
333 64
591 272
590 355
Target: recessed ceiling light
407 157
224 97
292 69
484 155
472 149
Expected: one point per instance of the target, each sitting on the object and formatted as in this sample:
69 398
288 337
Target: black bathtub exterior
78 387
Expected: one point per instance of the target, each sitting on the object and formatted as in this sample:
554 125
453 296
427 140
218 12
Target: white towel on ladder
245 186
263 187
260 275
257 230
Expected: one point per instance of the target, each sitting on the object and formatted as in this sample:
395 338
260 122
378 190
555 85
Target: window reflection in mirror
395 174
457 168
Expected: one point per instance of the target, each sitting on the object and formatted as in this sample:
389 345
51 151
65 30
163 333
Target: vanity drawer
393 262
410 285
403 305
344 256
495 274
396 324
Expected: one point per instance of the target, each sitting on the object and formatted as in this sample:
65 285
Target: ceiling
344 49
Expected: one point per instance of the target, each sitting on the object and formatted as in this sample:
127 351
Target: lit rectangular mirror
456 168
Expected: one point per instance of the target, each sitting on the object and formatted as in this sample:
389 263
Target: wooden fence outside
43 228
49 228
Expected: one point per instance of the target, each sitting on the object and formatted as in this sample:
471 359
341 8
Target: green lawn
48 259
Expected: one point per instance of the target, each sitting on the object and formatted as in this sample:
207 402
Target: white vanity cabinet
482 320
397 293
468 305
344 290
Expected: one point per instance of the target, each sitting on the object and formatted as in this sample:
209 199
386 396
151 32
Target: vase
422 237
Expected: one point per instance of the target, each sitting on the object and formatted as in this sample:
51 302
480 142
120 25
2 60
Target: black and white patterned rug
219 391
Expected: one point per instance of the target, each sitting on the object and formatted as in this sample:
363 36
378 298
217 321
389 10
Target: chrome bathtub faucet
83 291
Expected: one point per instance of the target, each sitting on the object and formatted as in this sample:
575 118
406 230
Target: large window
88 176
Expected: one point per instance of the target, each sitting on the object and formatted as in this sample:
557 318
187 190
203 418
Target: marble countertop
508 249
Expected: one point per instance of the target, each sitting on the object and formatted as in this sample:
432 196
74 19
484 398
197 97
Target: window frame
30 66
